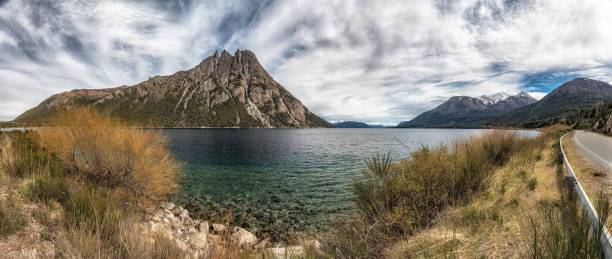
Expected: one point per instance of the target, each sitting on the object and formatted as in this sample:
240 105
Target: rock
218 227
312 243
243 237
188 222
262 244
183 215
214 238
181 245
177 210
203 227
285 252
200 240
167 205
608 127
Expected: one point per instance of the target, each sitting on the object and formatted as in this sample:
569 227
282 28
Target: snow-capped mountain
494 98
460 111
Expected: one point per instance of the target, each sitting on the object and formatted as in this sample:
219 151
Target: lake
280 181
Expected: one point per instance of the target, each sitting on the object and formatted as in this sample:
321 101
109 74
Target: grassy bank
497 195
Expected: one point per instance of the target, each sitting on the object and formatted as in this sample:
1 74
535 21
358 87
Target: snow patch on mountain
494 98
501 96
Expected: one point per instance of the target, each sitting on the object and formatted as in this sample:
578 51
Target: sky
378 61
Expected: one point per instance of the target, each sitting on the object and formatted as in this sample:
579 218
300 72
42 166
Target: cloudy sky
373 61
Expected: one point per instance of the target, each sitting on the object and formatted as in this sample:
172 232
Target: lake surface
279 181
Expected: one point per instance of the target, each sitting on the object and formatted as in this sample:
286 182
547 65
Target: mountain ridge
464 111
221 91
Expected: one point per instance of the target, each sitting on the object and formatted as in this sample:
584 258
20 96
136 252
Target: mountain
222 91
494 98
597 118
465 111
579 93
351 124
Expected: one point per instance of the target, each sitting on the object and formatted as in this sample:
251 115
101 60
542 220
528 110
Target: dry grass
113 153
591 179
11 218
491 223
461 186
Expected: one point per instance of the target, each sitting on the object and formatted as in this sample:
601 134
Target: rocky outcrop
222 91
197 238
174 223
608 127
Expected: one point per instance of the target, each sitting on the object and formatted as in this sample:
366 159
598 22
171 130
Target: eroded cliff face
222 91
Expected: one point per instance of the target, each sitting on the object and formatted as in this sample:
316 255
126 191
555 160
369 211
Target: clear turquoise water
281 181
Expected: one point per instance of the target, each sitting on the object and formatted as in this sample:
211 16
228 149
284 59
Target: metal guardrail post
583 199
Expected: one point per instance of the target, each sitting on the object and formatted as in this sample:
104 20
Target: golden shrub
112 153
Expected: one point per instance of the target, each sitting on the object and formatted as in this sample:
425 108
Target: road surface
596 148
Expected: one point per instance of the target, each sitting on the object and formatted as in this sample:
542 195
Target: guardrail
587 206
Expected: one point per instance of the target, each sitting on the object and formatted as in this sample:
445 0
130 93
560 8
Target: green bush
95 210
11 219
46 187
22 155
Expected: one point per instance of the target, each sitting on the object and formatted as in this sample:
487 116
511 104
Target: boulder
218 227
199 240
183 215
167 205
243 237
203 227
285 252
262 244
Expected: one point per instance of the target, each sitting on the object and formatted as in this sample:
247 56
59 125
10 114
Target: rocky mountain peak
224 90
494 98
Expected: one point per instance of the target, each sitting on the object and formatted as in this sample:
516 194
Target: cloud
373 61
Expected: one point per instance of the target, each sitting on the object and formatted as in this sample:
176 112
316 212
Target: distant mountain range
465 111
222 91
351 124
521 110
572 96
357 124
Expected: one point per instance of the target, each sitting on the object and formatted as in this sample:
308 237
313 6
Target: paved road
596 148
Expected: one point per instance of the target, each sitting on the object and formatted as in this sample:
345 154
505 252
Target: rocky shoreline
202 239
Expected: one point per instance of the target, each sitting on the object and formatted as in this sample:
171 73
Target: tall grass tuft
566 231
11 219
113 153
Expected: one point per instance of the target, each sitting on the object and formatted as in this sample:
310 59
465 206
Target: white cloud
382 61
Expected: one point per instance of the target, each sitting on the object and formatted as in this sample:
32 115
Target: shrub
11 219
46 188
112 153
95 210
21 155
